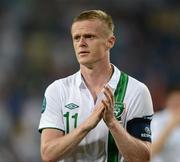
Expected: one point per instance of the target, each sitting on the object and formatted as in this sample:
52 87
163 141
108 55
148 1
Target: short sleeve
140 113
52 116
140 102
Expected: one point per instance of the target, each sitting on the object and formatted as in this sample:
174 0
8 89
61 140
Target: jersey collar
112 82
115 78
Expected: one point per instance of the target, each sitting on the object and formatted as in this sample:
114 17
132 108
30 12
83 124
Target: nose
82 42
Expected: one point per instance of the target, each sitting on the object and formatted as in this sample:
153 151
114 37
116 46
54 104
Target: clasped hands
103 110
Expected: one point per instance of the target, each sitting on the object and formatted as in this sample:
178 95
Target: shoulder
134 86
62 84
138 92
137 87
138 98
67 81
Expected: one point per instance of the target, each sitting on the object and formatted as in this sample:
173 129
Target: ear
110 41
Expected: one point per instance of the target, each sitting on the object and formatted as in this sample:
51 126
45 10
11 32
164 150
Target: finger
99 107
108 99
109 95
108 88
99 110
105 104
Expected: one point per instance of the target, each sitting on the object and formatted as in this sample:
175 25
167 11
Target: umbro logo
71 106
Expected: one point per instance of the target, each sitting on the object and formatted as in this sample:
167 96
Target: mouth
83 53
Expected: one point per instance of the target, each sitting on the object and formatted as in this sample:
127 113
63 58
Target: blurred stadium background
36 49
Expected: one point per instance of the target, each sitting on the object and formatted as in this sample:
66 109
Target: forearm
132 149
60 147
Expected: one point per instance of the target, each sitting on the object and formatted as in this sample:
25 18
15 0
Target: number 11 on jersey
69 120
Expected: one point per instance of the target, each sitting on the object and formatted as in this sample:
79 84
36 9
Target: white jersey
171 149
68 103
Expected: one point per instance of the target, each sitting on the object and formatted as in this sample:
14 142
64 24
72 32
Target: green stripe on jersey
113 153
121 88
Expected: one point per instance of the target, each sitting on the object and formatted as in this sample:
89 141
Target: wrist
87 125
112 123
84 128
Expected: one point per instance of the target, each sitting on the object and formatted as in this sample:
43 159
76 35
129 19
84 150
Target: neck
96 77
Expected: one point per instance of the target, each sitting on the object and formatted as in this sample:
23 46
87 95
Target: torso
76 103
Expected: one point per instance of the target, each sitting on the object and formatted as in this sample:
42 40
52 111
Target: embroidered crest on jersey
43 105
71 106
118 109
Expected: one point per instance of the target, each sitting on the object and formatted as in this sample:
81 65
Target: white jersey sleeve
139 100
139 110
52 116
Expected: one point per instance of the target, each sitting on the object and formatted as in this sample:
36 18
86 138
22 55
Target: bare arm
132 149
55 145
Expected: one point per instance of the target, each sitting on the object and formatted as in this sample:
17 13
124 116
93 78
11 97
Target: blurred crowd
36 49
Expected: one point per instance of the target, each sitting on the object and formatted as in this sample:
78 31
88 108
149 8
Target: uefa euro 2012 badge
119 107
43 105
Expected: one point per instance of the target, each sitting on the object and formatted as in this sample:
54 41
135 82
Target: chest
78 106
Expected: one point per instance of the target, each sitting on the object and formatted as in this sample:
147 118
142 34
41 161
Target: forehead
88 26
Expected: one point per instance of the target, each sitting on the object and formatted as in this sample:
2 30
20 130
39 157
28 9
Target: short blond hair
96 15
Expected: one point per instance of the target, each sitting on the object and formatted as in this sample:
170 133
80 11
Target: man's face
90 41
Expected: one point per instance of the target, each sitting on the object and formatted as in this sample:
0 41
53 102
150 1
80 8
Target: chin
85 63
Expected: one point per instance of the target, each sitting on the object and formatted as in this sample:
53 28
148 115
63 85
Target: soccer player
166 129
99 114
